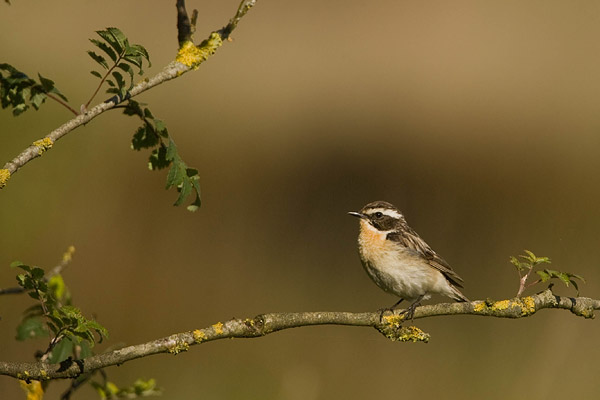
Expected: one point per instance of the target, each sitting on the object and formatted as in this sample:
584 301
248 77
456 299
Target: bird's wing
411 240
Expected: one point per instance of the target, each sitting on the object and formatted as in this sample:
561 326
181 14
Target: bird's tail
457 295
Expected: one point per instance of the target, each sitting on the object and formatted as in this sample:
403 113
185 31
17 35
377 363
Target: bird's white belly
402 272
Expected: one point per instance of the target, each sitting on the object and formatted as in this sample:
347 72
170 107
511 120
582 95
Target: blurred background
478 119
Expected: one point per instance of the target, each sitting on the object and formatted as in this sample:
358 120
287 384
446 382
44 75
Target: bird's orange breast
372 243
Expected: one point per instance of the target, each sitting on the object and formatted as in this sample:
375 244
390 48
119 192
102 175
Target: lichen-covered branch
189 57
390 324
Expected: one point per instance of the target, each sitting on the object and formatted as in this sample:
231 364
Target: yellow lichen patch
43 145
502 305
178 347
413 334
192 55
33 389
393 320
528 305
479 307
218 327
4 177
199 336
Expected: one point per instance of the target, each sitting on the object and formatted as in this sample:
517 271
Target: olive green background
478 119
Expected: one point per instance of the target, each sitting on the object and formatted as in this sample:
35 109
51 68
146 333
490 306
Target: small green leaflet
565 277
117 56
153 134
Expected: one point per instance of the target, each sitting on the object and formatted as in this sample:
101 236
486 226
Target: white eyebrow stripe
386 211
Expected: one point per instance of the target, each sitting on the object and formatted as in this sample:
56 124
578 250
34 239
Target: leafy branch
525 265
124 57
72 335
18 91
54 315
153 134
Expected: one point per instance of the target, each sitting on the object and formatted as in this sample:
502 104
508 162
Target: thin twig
63 103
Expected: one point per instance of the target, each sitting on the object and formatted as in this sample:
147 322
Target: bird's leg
391 309
396 304
409 313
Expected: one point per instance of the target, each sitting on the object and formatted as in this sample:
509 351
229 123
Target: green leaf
144 138
97 74
37 100
134 108
119 78
127 68
31 328
105 48
158 159
61 351
99 59
544 276
119 38
564 277
110 39
18 264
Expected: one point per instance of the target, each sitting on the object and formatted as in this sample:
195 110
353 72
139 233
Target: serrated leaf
158 159
119 78
37 100
148 114
161 128
144 138
185 189
133 108
110 39
37 273
127 68
105 48
99 59
172 153
119 37
47 84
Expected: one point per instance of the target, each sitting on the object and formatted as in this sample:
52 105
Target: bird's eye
378 215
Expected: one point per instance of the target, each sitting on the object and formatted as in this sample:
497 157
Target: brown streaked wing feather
411 239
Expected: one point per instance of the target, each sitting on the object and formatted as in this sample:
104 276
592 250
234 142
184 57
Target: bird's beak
357 214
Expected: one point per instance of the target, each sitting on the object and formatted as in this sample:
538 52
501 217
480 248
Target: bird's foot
409 313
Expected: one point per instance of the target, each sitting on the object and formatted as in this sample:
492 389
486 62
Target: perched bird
399 261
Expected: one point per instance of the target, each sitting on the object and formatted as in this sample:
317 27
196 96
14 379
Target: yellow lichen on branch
191 55
43 145
4 177
526 306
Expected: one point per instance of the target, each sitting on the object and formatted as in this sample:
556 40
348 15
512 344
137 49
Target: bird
399 261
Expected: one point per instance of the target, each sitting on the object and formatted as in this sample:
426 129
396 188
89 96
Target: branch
262 325
188 58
